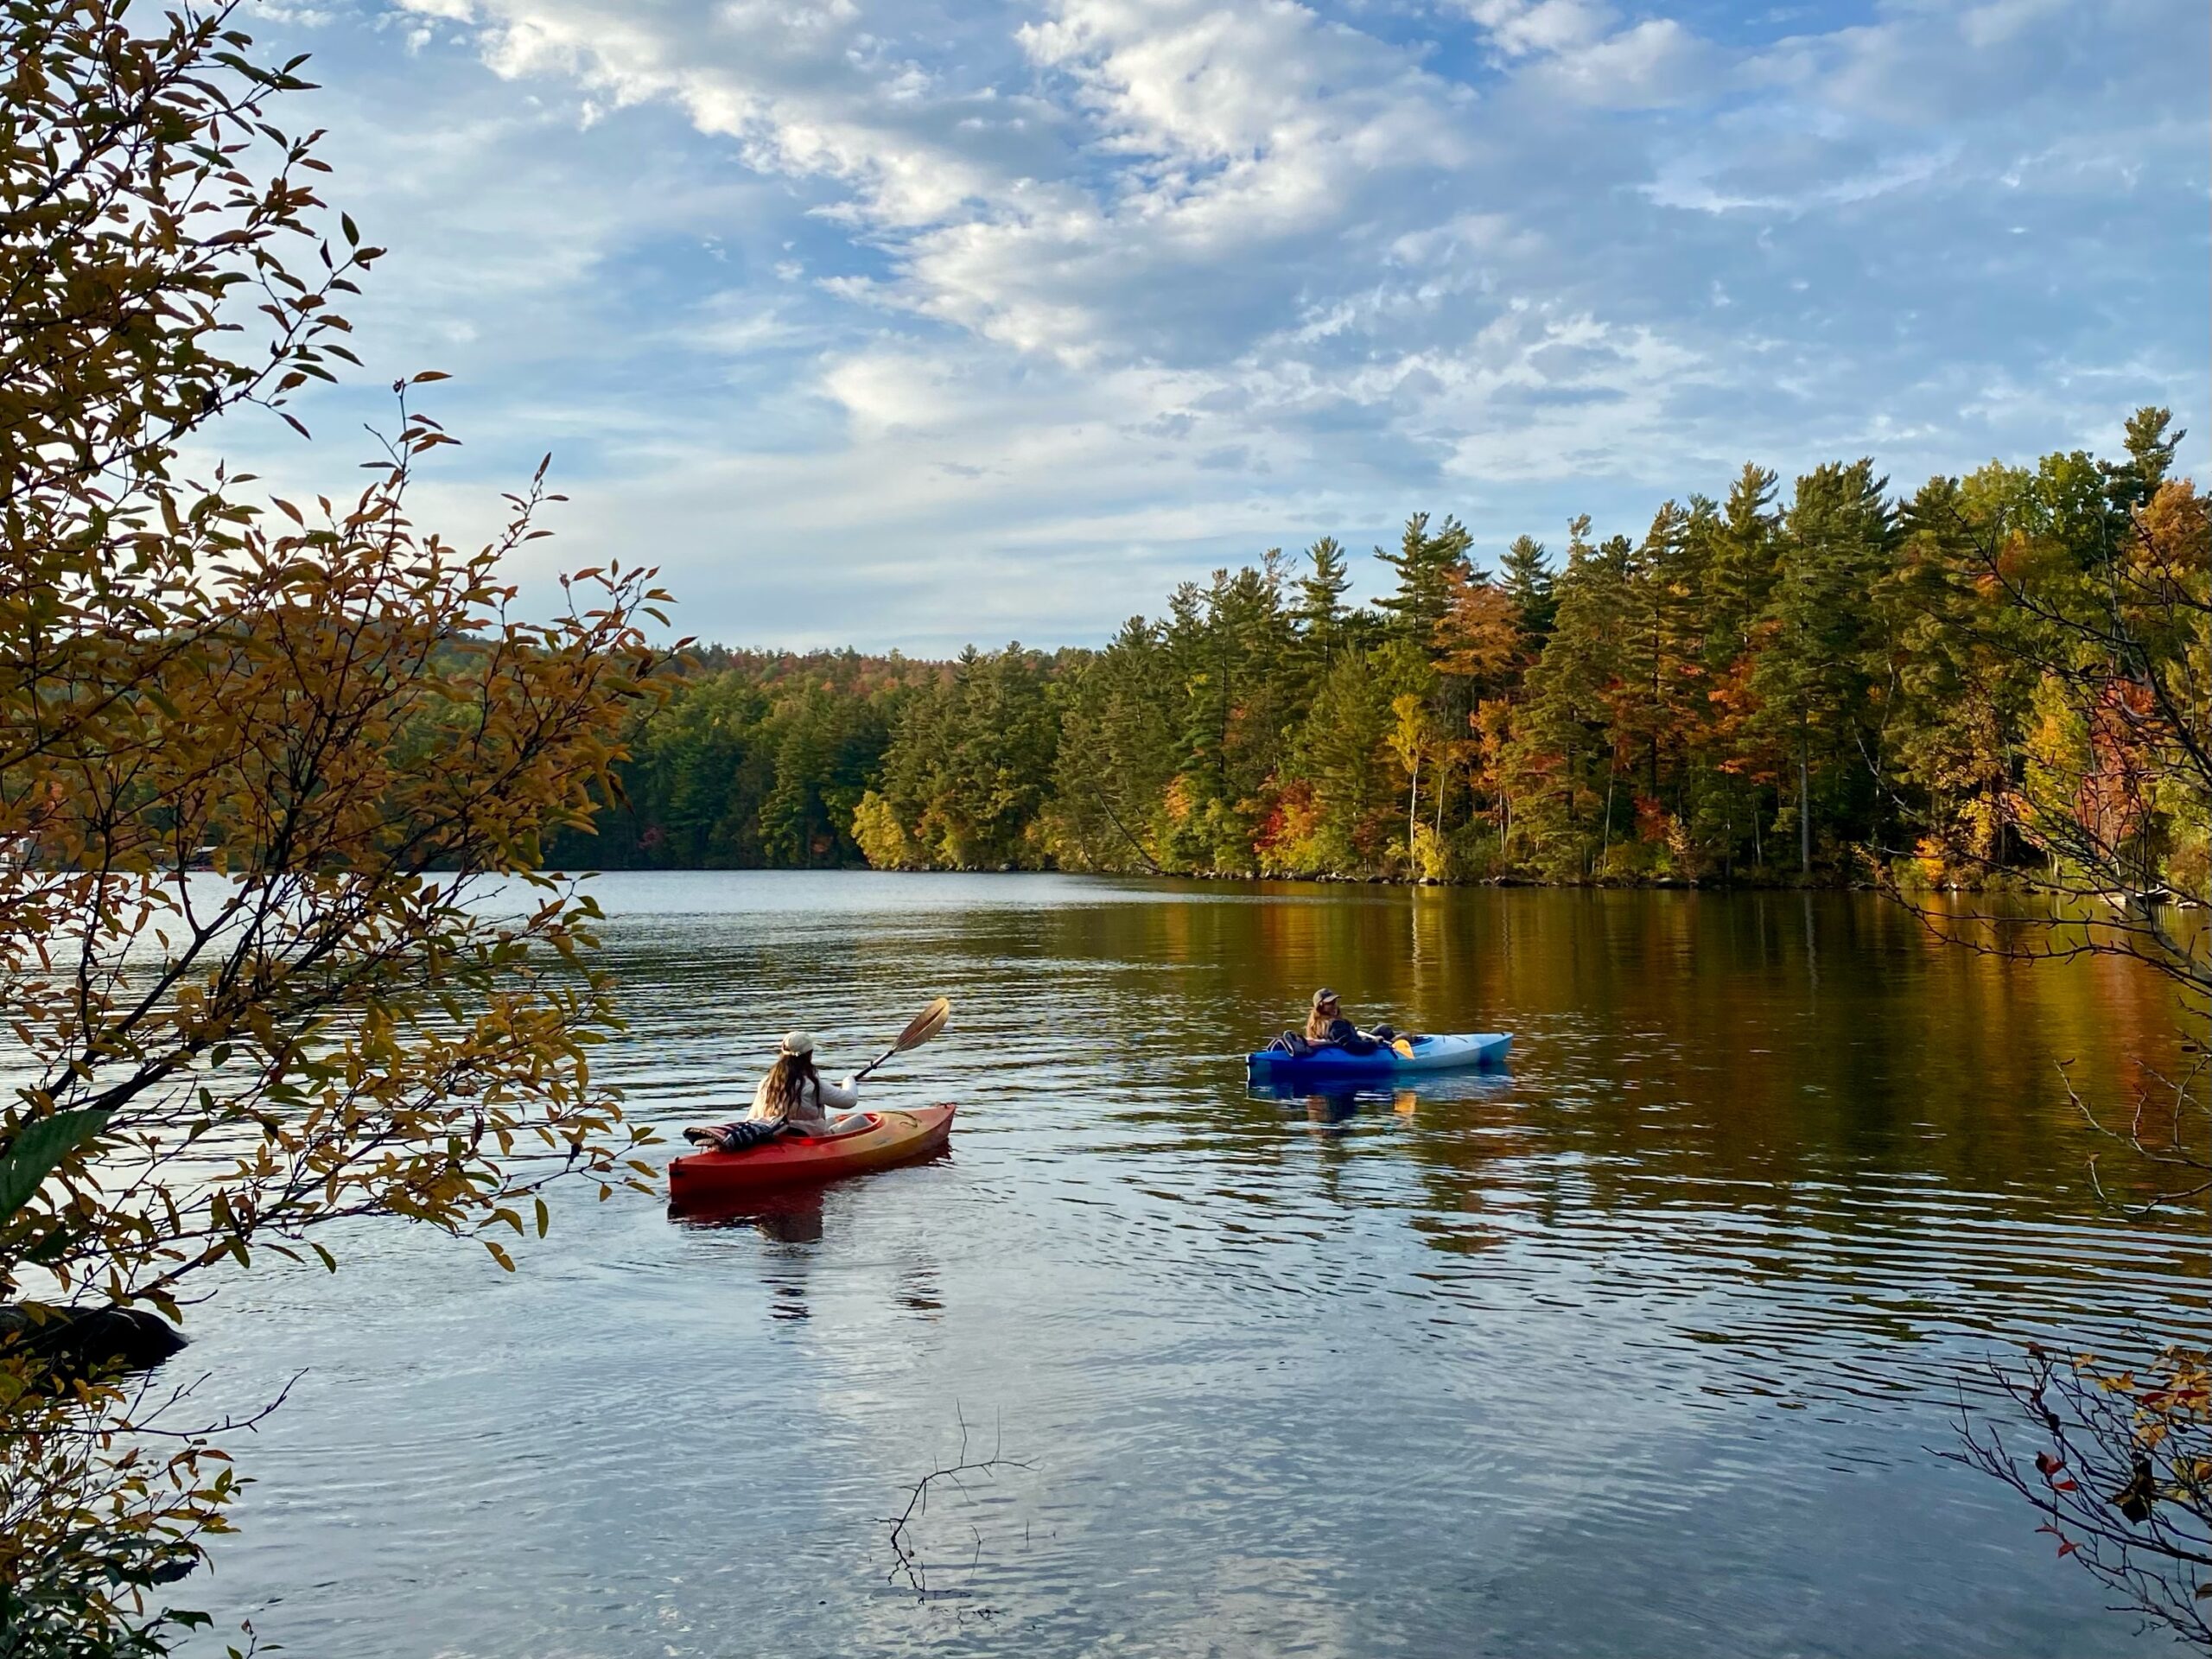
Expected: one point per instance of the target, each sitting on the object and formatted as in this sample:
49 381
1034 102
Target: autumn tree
1565 763
371 1001
2076 598
1480 650
1660 702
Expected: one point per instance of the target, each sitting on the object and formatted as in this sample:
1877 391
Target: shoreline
1649 884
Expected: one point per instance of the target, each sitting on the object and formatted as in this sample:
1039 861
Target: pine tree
1741 560
1526 579
1341 758
1425 564
1812 676
1320 609
2151 450
1117 751
1562 760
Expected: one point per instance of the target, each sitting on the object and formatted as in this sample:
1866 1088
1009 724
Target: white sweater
814 1106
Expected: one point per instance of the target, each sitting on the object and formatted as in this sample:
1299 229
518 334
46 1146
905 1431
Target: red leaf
2067 1548
2046 1464
2065 1486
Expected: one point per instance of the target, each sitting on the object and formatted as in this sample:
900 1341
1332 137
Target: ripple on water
1639 1346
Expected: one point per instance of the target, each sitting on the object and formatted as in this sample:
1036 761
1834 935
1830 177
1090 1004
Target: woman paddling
793 1098
1326 1026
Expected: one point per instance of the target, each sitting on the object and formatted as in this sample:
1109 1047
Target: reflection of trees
1737 1138
1687 1104
1698 1003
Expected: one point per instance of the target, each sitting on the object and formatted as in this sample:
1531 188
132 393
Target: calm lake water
1646 1344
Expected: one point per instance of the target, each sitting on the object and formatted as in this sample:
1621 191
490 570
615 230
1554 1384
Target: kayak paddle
924 1025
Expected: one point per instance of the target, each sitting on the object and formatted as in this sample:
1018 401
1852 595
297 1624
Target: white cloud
1109 289
1654 63
1518 28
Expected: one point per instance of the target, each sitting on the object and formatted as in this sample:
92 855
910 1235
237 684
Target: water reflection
1335 1109
792 1224
1638 1346
791 1217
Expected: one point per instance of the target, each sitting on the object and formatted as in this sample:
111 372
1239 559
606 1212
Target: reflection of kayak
1404 1091
792 1160
1430 1054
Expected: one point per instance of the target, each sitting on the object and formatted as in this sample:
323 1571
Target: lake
1647 1344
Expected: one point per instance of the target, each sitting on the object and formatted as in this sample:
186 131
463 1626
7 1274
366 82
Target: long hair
1318 1024
788 1079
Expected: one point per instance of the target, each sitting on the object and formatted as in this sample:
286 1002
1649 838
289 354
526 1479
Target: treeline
1765 685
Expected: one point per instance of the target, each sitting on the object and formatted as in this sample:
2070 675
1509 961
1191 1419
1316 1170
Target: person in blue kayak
1327 1027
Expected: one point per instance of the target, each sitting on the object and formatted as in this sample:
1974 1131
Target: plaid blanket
736 1136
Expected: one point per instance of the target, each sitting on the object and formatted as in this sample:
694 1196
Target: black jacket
1345 1035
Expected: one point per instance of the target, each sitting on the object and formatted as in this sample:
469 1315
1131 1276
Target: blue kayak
1429 1054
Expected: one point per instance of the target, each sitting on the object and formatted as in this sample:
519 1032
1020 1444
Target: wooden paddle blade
924 1026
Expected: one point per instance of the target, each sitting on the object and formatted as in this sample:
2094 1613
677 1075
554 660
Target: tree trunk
1804 803
1413 811
1442 779
1605 843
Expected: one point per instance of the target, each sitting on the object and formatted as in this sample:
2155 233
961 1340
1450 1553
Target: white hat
797 1042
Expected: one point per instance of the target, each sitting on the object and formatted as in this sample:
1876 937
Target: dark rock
81 1342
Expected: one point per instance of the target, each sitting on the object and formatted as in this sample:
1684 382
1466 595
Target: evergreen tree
1563 763
1426 563
1814 675
1741 556
1526 575
1320 610
1117 751
2151 450
1342 760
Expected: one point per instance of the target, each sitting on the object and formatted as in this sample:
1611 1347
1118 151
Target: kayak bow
799 1160
1436 1053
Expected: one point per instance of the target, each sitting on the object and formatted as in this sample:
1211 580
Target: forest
1765 685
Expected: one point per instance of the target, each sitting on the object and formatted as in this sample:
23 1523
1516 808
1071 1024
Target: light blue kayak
1438 1053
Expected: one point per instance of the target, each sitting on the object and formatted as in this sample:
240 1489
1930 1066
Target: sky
913 323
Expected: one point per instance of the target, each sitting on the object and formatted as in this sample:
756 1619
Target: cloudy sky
911 323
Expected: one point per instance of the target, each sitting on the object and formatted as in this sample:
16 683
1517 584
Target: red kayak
888 1138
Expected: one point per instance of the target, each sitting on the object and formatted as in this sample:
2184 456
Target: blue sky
913 324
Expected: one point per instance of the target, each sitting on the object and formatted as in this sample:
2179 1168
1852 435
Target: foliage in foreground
2120 1467
2091 655
365 1000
